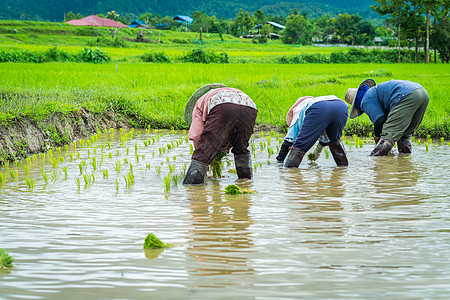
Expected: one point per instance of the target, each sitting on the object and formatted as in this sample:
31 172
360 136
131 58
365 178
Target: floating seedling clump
233 189
5 260
152 242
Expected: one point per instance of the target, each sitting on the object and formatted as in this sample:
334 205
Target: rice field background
158 92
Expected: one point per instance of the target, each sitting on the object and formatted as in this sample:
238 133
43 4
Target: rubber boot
283 151
338 152
404 145
294 158
383 147
196 172
243 163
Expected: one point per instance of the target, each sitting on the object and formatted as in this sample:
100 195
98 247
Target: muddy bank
24 136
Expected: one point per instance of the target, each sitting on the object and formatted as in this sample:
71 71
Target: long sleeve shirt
210 100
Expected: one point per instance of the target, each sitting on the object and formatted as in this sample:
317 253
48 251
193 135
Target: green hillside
54 10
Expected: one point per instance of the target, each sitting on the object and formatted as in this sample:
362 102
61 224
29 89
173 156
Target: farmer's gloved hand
317 151
284 150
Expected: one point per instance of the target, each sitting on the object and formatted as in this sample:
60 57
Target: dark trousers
324 116
226 123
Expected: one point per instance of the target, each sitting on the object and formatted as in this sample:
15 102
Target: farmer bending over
395 107
310 118
220 118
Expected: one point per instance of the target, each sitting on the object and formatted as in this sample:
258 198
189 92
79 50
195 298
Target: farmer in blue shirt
311 119
396 109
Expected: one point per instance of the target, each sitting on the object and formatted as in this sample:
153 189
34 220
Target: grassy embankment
156 93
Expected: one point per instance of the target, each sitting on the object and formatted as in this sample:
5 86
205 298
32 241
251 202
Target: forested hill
54 10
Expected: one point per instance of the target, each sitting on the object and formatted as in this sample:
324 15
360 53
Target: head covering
195 96
354 96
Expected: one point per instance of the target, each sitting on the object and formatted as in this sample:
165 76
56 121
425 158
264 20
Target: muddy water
377 229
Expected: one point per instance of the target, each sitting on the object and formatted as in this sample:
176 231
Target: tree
259 17
112 15
70 16
396 9
297 31
440 39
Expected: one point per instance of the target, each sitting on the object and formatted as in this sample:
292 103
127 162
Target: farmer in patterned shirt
220 118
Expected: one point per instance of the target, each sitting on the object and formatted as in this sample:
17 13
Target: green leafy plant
5 260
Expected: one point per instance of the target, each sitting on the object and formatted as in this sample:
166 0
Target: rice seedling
166 182
158 170
172 168
118 166
64 169
50 153
442 141
125 160
34 157
327 152
6 260
54 176
262 145
58 150
176 179
121 130
78 155
269 140
168 159
418 142
262 133
78 182
111 130
270 151
94 149
413 139
147 167
81 143
28 160
14 174
128 151
94 163
110 155
426 146
87 180
89 153
109 145
66 148
118 152
44 176
88 143
26 168
105 173
117 184
2 178
55 163
191 148
137 157
29 182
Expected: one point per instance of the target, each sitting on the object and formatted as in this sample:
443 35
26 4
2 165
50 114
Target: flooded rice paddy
75 221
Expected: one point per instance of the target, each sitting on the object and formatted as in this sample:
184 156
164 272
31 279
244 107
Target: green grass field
157 93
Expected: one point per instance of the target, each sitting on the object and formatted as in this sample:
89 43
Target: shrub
155 56
199 55
94 56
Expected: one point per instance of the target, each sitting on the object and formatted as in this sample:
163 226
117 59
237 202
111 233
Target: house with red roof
94 20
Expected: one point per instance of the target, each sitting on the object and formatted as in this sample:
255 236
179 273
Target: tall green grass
156 94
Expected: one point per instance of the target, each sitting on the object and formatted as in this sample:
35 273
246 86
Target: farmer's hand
317 152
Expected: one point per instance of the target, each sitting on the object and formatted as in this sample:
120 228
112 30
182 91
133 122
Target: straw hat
351 93
195 96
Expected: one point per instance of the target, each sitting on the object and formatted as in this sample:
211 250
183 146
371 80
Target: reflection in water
394 181
318 198
220 234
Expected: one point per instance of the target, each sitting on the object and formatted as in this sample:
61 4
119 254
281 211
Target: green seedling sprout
105 173
78 182
327 152
262 133
50 153
426 146
110 155
28 161
418 142
118 166
64 169
172 168
147 166
89 152
54 176
88 142
152 242
109 145
117 185
26 169
269 151
44 176
233 189
94 163
80 166
61 159
137 157
191 148
167 183
158 170
442 140
217 165
58 150
81 143
30 183
125 160
14 174
2 178
5 260
413 139
175 179
168 159
128 151
54 163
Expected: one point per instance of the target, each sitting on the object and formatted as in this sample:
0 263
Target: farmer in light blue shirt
396 109
311 119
